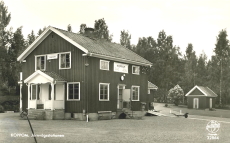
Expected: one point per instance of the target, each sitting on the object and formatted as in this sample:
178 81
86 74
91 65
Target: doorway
123 97
195 103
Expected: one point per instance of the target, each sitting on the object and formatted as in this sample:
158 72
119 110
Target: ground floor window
135 93
73 91
104 91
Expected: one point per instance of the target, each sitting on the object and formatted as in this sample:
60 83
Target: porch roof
152 86
44 77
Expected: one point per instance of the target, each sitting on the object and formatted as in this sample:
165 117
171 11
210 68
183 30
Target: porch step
36 114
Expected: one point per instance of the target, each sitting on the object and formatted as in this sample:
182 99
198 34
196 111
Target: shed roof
205 90
92 47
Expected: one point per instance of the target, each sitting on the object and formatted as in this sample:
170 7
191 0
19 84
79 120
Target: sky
187 21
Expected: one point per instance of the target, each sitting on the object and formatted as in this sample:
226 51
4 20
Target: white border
136 67
68 91
106 62
138 92
100 91
59 55
36 62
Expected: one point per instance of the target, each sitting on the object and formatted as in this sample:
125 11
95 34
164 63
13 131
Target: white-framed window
65 60
73 91
136 70
103 91
135 93
104 65
40 62
35 91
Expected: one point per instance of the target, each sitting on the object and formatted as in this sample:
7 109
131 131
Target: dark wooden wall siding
202 102
89 77
24 97
196 92
97 76
55 44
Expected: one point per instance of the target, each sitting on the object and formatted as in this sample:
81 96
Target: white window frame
107 91
133 71
36 62
138 92
106 62
60 59
73 95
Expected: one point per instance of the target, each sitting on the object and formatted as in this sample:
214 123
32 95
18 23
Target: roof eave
42 37
121 60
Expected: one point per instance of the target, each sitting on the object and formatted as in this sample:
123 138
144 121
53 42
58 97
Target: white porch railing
33 104
58 104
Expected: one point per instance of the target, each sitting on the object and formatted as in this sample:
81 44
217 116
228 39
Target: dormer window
65 60
40 63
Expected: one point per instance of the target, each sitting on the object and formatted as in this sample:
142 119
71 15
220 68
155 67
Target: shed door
210 103
196 103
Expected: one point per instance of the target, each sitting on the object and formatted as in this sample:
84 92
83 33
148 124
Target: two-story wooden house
65 72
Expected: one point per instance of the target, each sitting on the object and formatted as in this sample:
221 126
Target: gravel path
149 129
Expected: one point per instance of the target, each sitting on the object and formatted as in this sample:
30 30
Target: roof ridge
134 52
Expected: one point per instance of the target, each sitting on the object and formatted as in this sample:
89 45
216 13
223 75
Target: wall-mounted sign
118 67
52 56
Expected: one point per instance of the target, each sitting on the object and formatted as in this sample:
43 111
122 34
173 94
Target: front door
123 97
195 103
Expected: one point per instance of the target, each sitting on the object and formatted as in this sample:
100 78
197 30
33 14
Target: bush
11 105
1 109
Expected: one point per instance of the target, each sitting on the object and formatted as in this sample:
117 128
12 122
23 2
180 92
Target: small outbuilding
200 97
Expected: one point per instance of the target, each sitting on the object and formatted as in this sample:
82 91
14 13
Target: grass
149 129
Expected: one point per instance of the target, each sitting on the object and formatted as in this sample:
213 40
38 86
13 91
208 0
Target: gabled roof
49 76
152 86
205 90
93 47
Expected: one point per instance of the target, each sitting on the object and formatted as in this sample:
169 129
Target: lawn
149 129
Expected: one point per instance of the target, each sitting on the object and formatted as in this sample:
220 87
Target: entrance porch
46 91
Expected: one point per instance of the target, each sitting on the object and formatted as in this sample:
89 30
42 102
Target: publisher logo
213 127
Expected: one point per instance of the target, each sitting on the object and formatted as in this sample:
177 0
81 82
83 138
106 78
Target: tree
125 39
222 54
69 28
188 80
40 31
14 67
30 38
5 36
176 94
101 30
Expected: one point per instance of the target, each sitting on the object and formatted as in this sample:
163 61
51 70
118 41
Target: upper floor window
104 91
65 61
104 65
135 93
73 91
40 62
135 70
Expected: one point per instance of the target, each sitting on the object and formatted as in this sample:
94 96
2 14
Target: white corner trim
37 73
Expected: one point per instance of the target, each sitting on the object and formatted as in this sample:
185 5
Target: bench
104 114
